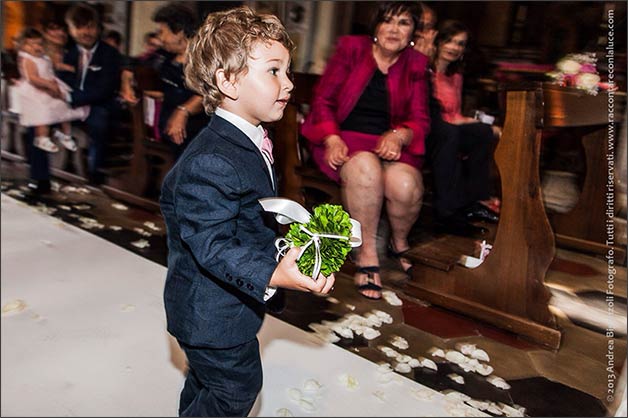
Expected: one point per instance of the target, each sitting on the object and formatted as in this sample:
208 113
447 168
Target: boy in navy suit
221 265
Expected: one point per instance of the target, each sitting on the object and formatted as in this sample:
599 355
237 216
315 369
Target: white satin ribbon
288 211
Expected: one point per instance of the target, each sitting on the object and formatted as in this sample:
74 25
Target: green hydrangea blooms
326 219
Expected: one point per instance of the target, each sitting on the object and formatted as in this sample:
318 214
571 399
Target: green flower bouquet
325 237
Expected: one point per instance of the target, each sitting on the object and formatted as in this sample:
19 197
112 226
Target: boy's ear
227 86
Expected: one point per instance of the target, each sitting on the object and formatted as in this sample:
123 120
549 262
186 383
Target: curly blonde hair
225 41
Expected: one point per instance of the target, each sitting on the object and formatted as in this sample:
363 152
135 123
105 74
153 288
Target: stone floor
569 382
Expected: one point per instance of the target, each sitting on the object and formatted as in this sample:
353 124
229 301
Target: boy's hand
288 276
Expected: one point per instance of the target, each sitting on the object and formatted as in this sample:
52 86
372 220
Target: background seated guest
460 184
182 115
95 81
424 35
113 38
152 46
367 127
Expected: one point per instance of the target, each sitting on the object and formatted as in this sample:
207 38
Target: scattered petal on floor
480 355
333 300
348 381
115 228
295 394
427 363
142 243
14 306
119 206
399 342
151 225
456 378
312 385
380 395
283 412
498 382
436 352
142 232
392 298
403 368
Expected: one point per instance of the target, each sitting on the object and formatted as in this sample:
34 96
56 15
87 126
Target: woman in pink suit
367 127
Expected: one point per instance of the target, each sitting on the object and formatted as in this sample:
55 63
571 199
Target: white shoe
65 140
44 142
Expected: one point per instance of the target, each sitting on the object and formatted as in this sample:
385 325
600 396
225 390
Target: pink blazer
448 91
346 76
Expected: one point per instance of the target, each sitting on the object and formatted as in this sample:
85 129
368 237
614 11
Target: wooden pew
583 227
151 159
508 290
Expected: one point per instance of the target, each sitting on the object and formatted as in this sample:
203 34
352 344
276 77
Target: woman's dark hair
447 30
31 33
53 23
178 18
81 15
395 8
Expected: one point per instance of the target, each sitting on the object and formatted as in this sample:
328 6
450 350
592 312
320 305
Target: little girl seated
41 95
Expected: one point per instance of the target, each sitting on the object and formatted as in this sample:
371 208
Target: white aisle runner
90 339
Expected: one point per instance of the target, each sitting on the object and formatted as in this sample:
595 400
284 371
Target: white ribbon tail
286 210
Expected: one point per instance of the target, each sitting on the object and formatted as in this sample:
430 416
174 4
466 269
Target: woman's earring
461 57
374 39
411 44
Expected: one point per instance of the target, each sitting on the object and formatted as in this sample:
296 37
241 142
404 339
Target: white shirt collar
92 50
254 133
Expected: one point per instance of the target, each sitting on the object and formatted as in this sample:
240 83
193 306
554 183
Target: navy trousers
221 382
38 158
461 157
98 129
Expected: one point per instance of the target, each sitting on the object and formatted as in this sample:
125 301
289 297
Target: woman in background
460 147
367 127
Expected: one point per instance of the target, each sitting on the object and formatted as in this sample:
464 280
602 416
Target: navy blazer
102 79
220 241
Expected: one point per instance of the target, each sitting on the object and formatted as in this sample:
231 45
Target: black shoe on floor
479 212
39 186
457 224
95 179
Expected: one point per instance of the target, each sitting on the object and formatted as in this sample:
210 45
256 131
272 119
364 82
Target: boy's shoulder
219 140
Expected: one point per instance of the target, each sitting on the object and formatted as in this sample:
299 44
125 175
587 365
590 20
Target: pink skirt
356 142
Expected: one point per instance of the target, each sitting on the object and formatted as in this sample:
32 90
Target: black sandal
370 281
398 255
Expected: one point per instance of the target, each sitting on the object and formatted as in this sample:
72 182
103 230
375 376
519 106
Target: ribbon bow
288 211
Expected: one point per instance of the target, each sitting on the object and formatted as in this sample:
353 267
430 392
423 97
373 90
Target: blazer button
249 286
239 282
229 277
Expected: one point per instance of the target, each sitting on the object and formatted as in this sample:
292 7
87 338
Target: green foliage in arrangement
326 219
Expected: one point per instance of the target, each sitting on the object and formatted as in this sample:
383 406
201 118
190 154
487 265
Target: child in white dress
41 95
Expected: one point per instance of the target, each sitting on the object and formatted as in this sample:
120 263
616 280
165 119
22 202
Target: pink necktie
267 147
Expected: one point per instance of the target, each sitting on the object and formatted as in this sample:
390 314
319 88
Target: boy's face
264 91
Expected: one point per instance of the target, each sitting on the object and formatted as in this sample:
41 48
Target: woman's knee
363 168
403 183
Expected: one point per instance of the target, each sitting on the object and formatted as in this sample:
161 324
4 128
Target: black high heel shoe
370 281
398 255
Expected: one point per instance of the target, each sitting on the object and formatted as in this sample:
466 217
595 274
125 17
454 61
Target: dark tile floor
569 382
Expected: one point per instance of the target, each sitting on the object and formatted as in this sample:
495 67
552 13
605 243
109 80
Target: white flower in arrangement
568 66
587 81
579 71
